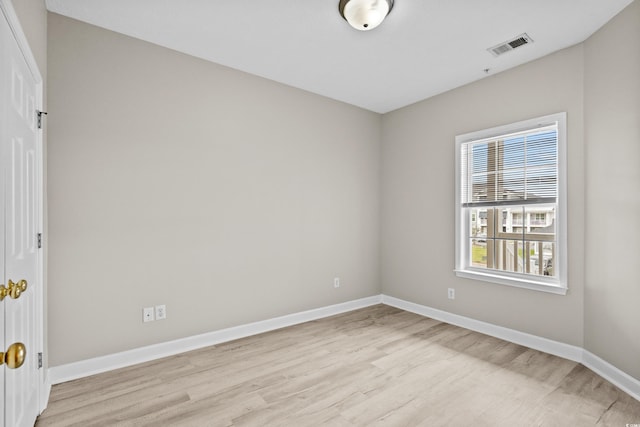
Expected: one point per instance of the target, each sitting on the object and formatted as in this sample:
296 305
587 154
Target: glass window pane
541 182
491 222
522 240
541 258
479 253
479 185
508 255
512 222
479 157
542 149
540 235
513 152
540 222
511 185
549 257
478 224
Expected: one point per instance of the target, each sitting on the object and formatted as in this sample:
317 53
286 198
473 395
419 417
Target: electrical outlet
336 282
161 312
451 293
147 314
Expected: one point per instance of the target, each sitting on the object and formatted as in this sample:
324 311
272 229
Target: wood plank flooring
375 366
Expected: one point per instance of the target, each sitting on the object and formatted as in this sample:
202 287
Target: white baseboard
615 376
84 368
607 371
532 341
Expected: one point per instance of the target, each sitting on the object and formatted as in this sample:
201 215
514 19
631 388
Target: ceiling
423 48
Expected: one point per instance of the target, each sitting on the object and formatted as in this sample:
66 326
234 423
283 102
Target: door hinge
40 113
39 240
39 360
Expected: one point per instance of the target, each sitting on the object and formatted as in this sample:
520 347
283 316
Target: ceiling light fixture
365 15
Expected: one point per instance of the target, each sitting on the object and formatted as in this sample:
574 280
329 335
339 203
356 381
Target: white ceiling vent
505 47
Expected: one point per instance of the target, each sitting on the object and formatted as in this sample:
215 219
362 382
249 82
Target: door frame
14 23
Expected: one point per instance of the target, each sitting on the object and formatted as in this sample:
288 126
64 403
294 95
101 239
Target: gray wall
225 196
417 243
33 19
612 135
232 199
597 84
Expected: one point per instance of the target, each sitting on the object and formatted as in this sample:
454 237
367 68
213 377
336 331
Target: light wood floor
375 366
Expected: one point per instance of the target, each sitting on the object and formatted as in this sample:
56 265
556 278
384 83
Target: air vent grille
518 42
505 47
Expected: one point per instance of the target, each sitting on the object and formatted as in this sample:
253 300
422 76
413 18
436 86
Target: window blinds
514 169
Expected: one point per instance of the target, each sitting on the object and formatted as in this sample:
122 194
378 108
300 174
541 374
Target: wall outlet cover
161 312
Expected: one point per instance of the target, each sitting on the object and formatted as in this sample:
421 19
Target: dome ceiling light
365 15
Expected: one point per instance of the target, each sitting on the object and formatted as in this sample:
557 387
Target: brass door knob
14 290
15 355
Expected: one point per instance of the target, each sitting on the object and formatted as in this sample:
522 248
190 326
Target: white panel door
20 170
4 90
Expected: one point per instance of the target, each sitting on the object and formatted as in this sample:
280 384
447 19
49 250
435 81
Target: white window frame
556 284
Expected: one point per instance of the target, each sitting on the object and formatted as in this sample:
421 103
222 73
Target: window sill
517 282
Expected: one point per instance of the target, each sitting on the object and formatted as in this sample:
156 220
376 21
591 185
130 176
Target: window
511 204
